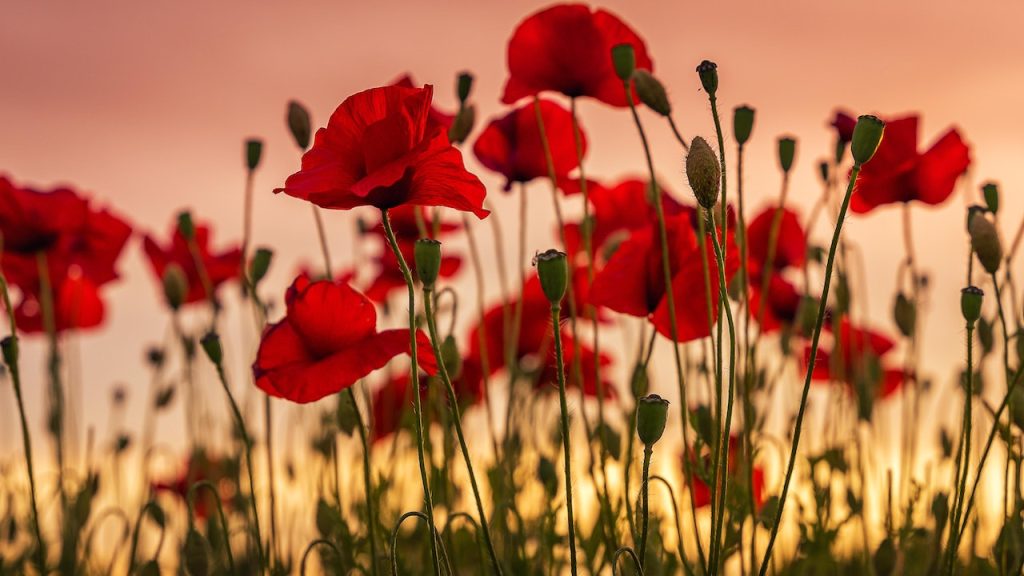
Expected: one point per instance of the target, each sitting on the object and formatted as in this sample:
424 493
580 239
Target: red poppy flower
702 492
783 304
219 267
859 361
377 151
76 305
617 210
899 173
327 341
844 124
435 118
790 242
389 405
567 48
535 347
512 145
633 281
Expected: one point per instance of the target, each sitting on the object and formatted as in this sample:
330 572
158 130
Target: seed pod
651 92
985 243
462 125
213 348
970 303
260 264
553 272
299 124
253 153
708 72
463 86
651 418
175 285
742 123
904 313
867 135
624 61
186 227
703 172
427 252
787 152
990 191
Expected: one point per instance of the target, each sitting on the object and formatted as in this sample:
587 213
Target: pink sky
146 108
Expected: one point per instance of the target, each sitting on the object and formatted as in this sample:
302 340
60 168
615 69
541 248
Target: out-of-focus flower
856 360
380 149
199 467
702 492
327 341
844 124
567 48
218 267
511 145
783 299
899 173
633 281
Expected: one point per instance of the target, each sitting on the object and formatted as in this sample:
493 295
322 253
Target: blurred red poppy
633 281
702 492
218 267
327 341
380 149
567 48
390 403
783 299
511 145
899 173
844 124
859 361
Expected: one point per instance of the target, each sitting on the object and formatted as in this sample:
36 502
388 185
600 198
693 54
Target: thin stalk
371 521
556 310
322 236
798 428
954 535
645 495
417 408
453 405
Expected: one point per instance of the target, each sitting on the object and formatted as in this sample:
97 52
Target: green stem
829 263
453 405
954 535
322 236
371 521
645 493
417 404
556 311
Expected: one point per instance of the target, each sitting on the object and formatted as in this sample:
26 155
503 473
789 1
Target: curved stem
636 561
220 516
798 428
394 540
556 311
417 404
314 544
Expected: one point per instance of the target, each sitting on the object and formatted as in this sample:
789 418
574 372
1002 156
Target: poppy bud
651 92
885 558
972 211
787 151
708 72
451 357
155 356
990 191
703 172
186 227
553 272
905 315
970 303
253 152
212 347
463 86
742 123
175 285
985 243
823 171
651 417
427 252
462 125
624 61
867 135
299 124
10 350
259 264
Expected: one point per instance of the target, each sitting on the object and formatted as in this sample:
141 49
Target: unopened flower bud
299 124
867 135
553 272
708 72
175 285
972 211
155 356
823 171
703 172
970 303
651 418
652 92
787 151
186 227
451 357
253 153
985 243
462 125
9 345
624 61
904 313
212 346
990 191
260 264
742 123
427 252
463 86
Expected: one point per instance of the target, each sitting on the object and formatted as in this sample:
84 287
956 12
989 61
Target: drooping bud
742 123
260 264
624 61
463 86
985 243
703 172
299 124
990 191
553 272
787 151
651 418
970 303
213 348
427 252
867 135
175 285
253 153
186 227
462 125
708 72
652 92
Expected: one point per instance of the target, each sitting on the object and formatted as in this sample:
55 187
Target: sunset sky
145 106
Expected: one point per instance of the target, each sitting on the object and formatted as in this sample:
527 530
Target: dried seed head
703 172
